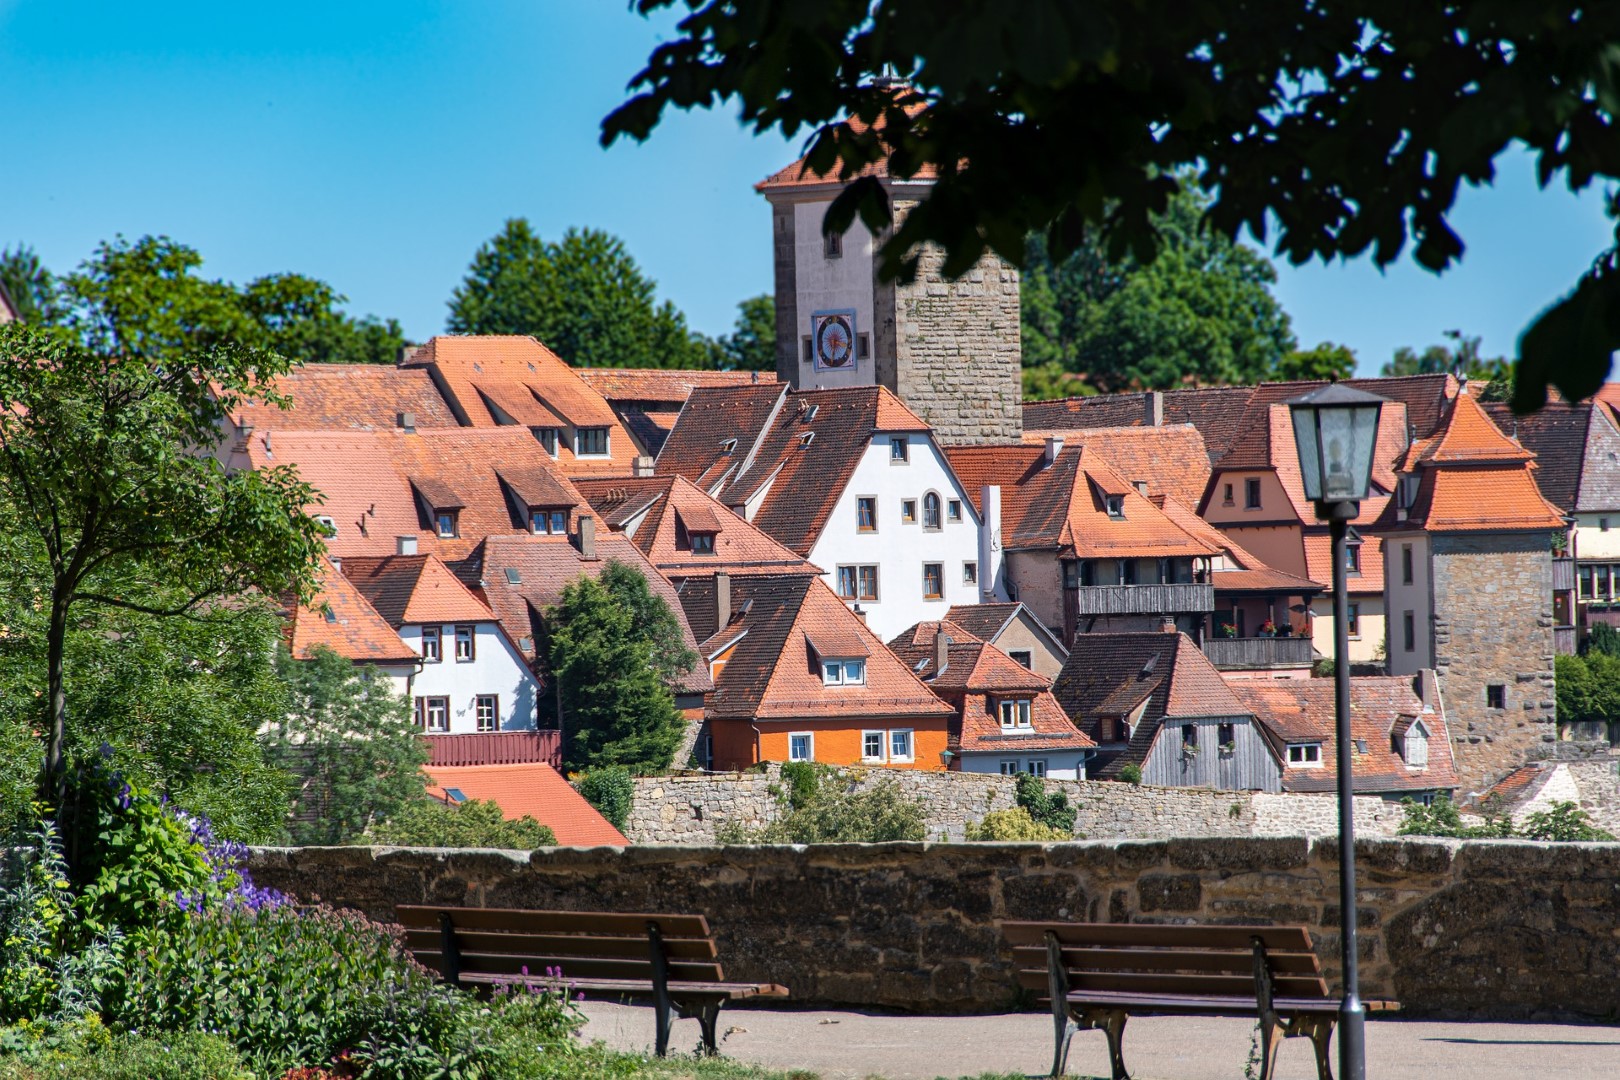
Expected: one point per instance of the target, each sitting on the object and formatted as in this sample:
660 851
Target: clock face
834 340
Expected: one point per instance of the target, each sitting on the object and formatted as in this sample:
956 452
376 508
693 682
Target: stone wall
1483 929
1493 625
957 348
691 809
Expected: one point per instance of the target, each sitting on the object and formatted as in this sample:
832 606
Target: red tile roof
1468 436
671 386
530 790
798 174
414 589
349 397
341 619
1302 710
1171 459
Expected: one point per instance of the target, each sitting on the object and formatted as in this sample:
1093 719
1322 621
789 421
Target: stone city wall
691 809
1481 929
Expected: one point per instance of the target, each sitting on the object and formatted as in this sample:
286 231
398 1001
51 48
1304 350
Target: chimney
405 545
587 537
1167 624
722 600
859 612
1054 447
406 422
1428 689
642 466
990 583
942 653
1153 408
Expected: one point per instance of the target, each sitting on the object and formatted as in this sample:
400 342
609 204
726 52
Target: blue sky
376 146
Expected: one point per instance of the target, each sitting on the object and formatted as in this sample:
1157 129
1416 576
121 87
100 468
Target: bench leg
1112 1024
1063 1034
1321 1031
664 1017
708 1017
1271 1037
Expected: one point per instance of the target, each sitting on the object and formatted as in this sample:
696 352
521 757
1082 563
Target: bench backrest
1215 961
579 944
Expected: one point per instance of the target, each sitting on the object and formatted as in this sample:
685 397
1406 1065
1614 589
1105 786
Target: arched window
930 511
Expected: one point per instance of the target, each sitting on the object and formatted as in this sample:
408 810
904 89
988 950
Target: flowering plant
1228 630
1268 628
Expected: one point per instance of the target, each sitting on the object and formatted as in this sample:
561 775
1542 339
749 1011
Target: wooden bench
1095 975
669 958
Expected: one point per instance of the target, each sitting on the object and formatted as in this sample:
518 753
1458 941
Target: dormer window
547 522
547 437
728 446
328 526
1115 504
702 543
444 523
1352 556
1305 755
591 442
843 673
1015 714
1412 744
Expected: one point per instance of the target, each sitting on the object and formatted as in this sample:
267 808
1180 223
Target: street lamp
1336 431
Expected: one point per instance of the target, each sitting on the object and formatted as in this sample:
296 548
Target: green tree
1602 638
29 284
1461 357
1048 808
651 619
105 470
583 296
1563 823
820 806
427 822
616 710
751 345
612 790
1201 312
1325 361
1332 130
349 743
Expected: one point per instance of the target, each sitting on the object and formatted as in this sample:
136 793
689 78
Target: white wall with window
902 568
471 680
835 278
1407 596
1012 759
888 746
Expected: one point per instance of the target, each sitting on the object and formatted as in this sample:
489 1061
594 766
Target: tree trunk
53 786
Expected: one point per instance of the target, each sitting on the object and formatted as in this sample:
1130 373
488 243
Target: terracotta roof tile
340 618
414 589
798 174
1557 434
350 397
670 386
1469 436
983 621
712 420
530 790
1302 710
1172 460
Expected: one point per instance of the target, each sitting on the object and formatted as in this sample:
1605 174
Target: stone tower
949 349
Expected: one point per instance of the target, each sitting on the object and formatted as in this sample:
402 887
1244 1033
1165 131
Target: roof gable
338 617
533 789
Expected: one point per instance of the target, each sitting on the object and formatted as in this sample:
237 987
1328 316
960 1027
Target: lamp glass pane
1347 435
1310 461
1364 442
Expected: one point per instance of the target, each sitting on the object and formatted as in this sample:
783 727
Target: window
444 523
1023 656
1305 755
900 745
430 645
1189 735
488 710
802 746
899 449
858 582
1226 735
1409 630
1496 696
328 526
433 714
1251 494
1353 617
702 543
591 441
1226 495
931 511
970 573
933 580
1037 767
863 346
832 245
1015 714
953 510
548 522
843 672
871 746
1352 558
1603 524
908 510
808 350
1009 767
1071 574
866 514
547 437
1406 564
1115 505
1416 747
464 645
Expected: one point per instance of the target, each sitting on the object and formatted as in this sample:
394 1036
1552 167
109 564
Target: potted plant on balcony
1228 630
1268 629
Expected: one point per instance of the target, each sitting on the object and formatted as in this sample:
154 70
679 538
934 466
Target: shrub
612 791
430 823
1048 808
819 808
1563 822
1131 774
1015 824
85 1050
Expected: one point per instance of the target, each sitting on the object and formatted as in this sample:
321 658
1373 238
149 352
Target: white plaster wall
825 284
1415 598
1060 764
901 548
497 668
1363 650
1592 543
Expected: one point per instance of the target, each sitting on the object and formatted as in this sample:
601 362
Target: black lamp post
1335 431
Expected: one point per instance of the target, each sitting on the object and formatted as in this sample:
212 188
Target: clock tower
949 349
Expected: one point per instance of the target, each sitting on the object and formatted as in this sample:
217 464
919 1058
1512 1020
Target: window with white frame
900 745
1115 504
802 746
843 672
1009 766
702 543
931 507
899 449
871 746
464 645
1037 767
1014 714
547 437
1305 755
591 441
933 580
548 522
430 645
487 709
444 523
433 714
953 510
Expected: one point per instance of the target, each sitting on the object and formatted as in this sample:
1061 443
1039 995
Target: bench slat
1170 983
1085 958
732 991
1224 1003
572 967
1280 938
522 920
490 941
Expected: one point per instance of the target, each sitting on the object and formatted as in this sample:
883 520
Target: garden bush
88 1051
1016 824
819 807
612 790
473 824
1048 808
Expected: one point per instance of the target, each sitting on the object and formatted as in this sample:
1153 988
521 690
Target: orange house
799 677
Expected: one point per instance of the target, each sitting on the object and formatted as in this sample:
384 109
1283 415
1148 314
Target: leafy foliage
1348 129
1014 825
652 619
86 1050
1324 361
351 745
427 822
1563 823
616 709
1461 358
1602 638
1131 773
612 791
751 346
584 296
821 806
29 283
1048 808
1587 688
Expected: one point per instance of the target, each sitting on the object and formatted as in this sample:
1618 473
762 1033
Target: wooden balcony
1564 640
1259 653
1186 599
496 748
1563 575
